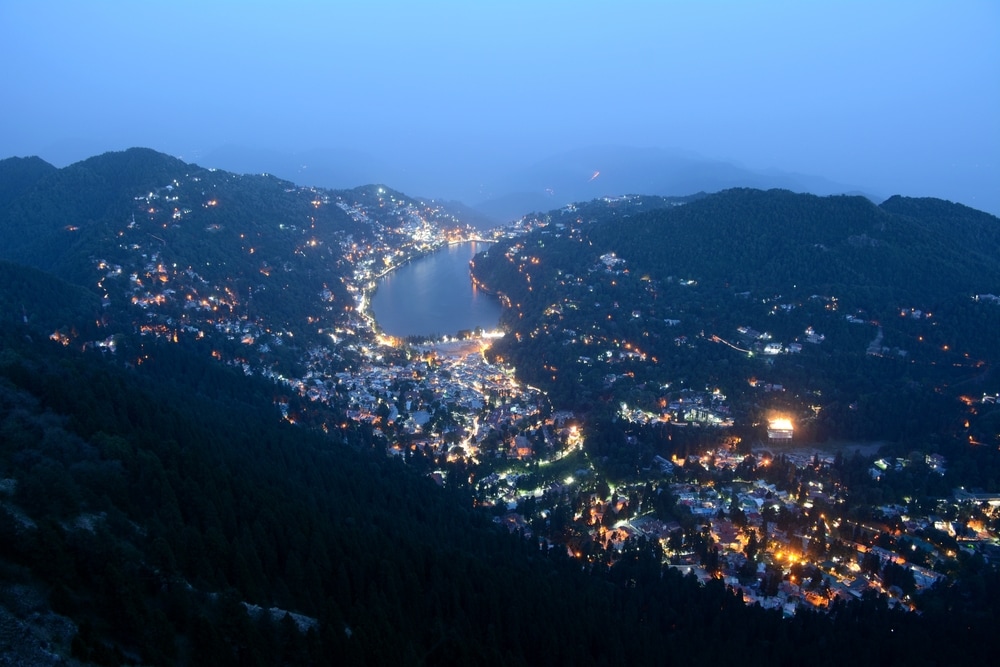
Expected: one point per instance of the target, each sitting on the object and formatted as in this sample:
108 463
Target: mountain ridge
505 192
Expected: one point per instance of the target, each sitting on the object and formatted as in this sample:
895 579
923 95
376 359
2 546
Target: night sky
889 97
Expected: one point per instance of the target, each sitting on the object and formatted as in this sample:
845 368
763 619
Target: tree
736 514
817 541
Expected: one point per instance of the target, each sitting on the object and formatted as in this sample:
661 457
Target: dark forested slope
19 175
54 223
774 240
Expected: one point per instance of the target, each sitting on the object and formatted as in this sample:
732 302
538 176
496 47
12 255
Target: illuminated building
779 430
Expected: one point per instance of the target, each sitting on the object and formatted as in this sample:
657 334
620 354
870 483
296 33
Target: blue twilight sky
889 97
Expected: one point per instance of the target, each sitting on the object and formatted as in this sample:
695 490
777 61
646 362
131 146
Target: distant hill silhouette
19 175
503 194
584 174
328 168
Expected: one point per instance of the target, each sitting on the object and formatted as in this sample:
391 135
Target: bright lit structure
779 429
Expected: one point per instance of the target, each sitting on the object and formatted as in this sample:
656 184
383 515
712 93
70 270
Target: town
771 518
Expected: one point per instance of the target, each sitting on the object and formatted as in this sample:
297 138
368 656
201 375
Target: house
779 430
666 466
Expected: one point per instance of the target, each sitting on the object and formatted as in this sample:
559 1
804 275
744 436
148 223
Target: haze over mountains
504 191
459 104
504 185
495 192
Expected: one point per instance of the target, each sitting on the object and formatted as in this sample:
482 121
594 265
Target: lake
434 296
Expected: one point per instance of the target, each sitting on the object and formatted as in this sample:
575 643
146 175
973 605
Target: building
779 430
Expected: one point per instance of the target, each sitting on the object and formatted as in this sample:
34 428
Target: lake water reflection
433 295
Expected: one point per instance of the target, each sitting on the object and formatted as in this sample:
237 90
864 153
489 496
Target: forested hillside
249 269
872 313
18 175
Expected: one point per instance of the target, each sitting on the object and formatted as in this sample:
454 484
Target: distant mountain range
584 174
504 194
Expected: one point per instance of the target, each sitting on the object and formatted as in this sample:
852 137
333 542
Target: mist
469 102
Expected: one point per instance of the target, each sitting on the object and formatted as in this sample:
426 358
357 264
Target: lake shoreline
433 295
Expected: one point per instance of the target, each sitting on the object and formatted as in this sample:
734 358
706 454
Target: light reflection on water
434 295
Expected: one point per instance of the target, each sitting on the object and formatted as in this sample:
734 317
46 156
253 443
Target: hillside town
774 524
